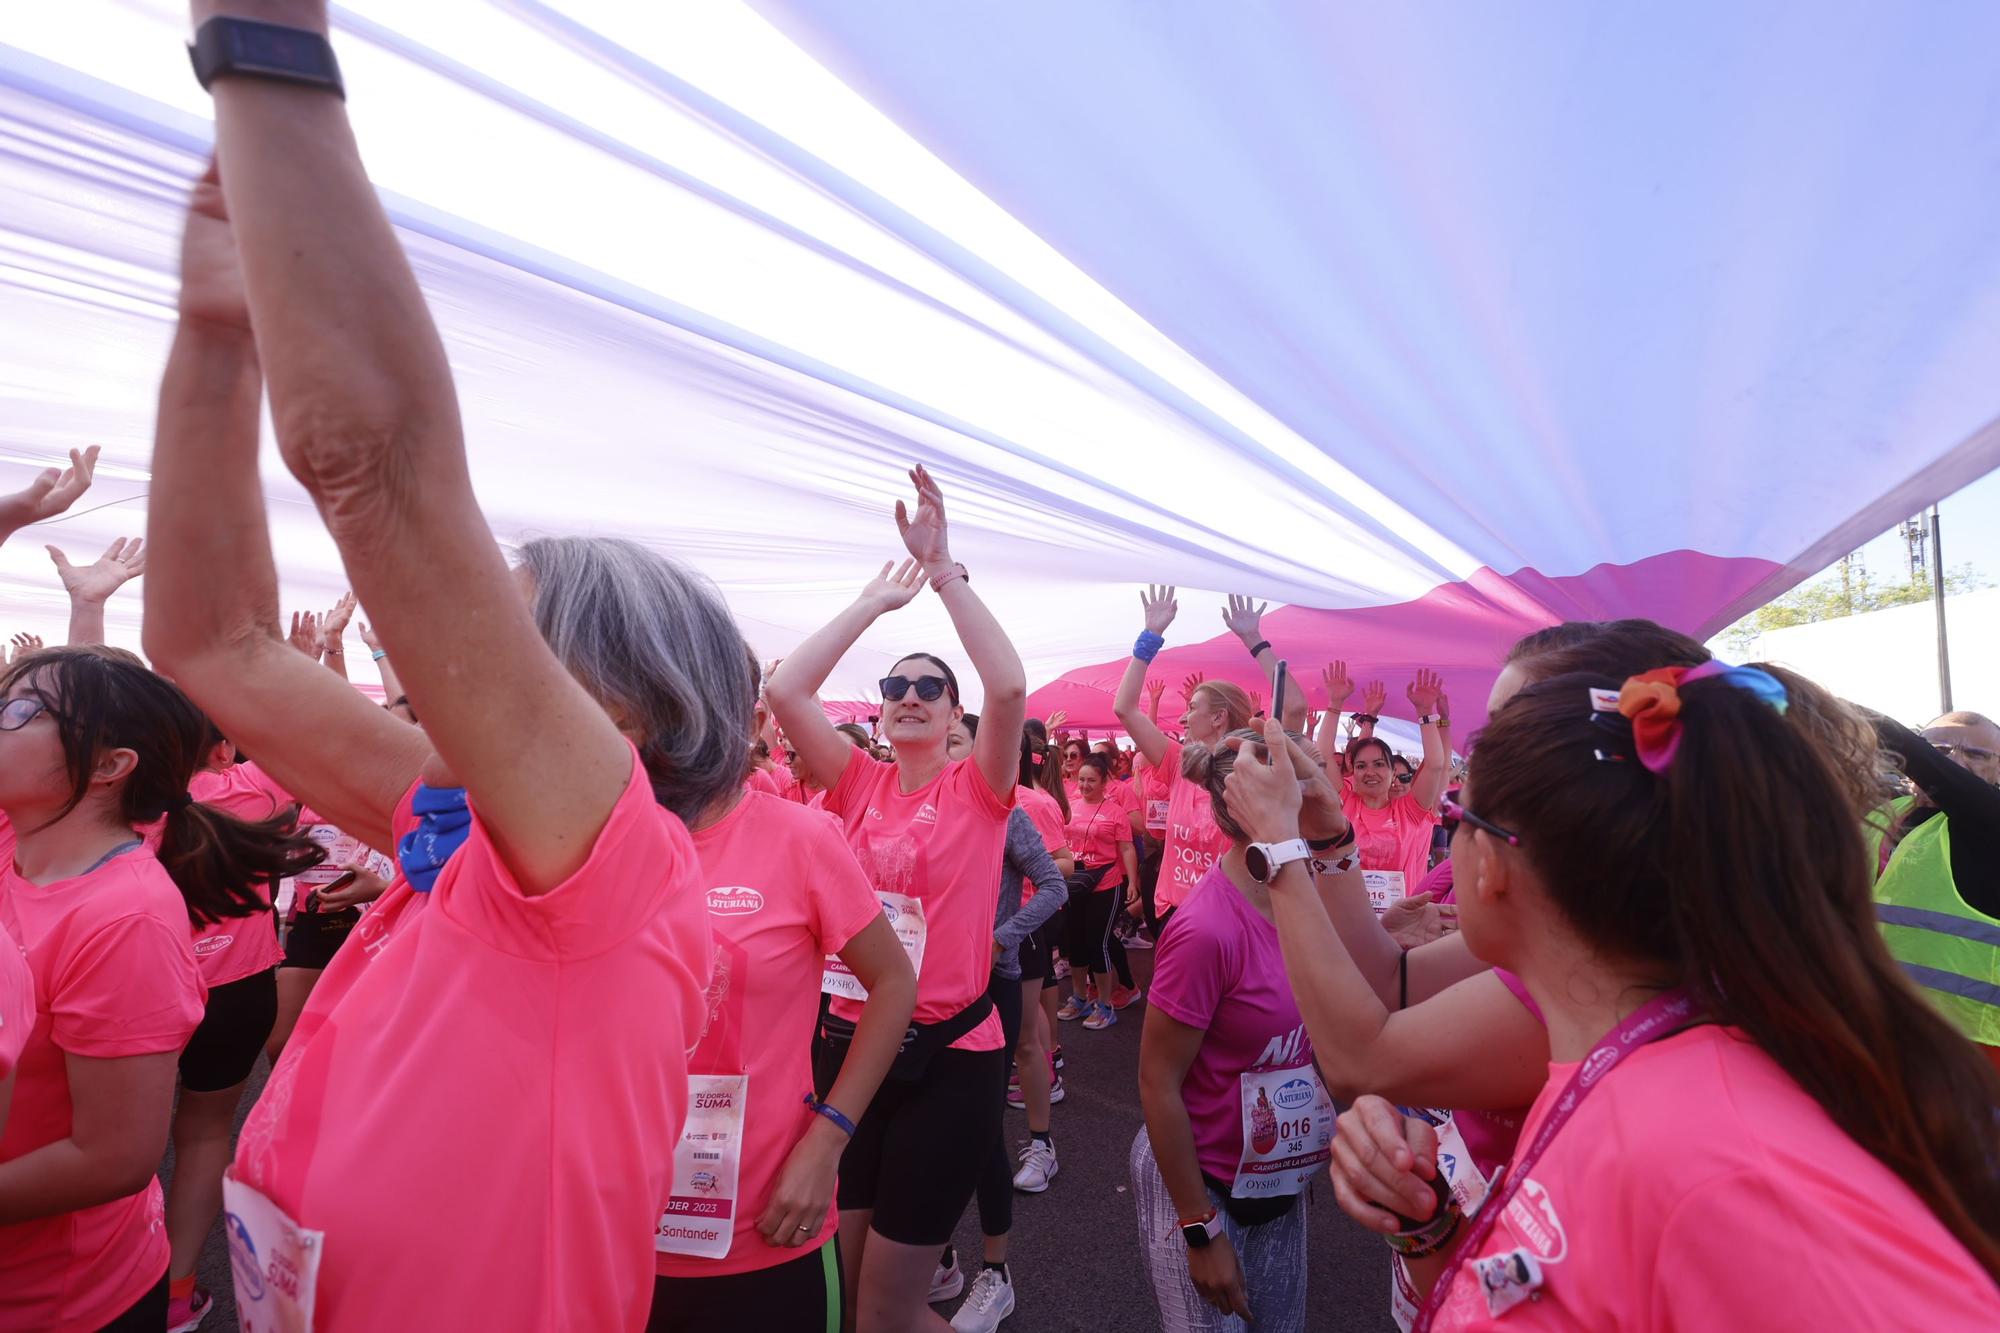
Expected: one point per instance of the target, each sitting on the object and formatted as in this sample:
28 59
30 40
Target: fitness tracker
1203 1230
1265 859
226 47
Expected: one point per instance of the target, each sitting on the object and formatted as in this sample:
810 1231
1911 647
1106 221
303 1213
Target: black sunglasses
928 687
1451 814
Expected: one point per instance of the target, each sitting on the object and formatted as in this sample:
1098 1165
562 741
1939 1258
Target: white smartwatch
1265 859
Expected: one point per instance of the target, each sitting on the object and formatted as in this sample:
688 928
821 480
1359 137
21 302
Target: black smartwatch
226 47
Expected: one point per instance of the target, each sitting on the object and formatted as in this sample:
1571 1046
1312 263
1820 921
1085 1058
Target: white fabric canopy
1444 320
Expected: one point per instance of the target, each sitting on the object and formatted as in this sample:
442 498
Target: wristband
1262 644
822 1109
379 654
1370 718
1432 1236
951 575
1328 844
1430 719
1148 645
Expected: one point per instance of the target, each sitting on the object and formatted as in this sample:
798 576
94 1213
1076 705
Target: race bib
1384 887
275 1261
1468 1186
1287 1131
700 1216
1156 813
906 918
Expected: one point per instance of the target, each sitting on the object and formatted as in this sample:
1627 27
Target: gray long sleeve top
1026 859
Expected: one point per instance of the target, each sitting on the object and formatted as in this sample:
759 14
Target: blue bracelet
821 1108
1148 646
379 654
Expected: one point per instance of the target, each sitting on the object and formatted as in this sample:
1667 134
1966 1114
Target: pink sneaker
185 1316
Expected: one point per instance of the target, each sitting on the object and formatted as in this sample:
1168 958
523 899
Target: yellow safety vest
1947 947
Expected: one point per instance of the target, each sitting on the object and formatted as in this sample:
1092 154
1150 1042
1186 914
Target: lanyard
1659 1017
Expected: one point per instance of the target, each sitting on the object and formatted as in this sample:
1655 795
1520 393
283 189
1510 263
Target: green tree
1848 589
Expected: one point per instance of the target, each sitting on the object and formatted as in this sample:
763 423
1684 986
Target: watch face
270 47
1258 864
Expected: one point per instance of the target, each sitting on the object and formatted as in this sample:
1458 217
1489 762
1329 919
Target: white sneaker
991 1301
947 1282
1038 1168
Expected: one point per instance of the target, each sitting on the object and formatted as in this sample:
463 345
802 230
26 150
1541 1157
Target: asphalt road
1074 1252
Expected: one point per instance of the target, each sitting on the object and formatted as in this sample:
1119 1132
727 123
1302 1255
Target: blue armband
821 1108
1149 645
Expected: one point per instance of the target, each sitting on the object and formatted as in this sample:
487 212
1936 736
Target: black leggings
996 1183
1149 882
147 1315
1089 943
801 1295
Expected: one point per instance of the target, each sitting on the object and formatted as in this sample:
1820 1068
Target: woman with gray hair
518 1049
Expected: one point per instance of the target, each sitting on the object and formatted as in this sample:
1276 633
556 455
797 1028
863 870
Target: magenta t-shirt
1219 968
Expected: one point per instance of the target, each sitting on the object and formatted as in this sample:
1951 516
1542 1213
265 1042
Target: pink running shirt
1194 844
479 1107
783 892
1396 837
1095 833
237 946
1698 1187
17 1005
943 845
1046 816
1218 967
113 976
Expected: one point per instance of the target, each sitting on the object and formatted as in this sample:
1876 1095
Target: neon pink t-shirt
510 1072
1193 843
113 977
783 892
1698 1187
1218 967
1396 837
1095 833
237 946
17 1005
759 780
1046 816
943 845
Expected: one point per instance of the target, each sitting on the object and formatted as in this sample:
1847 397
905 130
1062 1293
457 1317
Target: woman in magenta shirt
931 833
1741 1087
93 747
1237 1120
517 1050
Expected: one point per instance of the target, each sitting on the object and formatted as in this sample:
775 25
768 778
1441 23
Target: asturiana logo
1594 1066
213 944
735 901
1295 1094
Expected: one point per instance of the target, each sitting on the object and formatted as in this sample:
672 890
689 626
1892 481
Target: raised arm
1339 689
52 492
792 690
1160 608
1245 619
367 419
218 636
997 748
90 586
333 635
1424 694
392 688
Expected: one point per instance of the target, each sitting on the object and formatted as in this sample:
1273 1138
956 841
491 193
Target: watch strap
224 47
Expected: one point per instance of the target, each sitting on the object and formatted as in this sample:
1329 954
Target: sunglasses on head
928 688
1451 814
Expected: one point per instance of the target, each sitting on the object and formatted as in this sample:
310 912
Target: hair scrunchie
1652 701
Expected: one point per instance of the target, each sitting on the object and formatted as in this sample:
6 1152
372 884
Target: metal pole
1937 599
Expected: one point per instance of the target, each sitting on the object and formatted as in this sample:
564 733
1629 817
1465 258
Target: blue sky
1971 523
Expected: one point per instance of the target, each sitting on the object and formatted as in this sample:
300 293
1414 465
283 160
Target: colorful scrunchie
1653 703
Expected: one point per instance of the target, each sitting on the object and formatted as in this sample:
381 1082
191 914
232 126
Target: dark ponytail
105 700
1040 767
1740 871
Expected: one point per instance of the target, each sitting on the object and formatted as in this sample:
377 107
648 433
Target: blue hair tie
1148 645
1752 680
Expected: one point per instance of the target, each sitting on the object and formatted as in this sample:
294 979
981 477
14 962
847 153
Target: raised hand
1160 607
1444 711
1425 691
305 635
369 637
1263 795
1155 687
1339 689
1244 618
1373 695
925 536
50 493
334 623
896 586
23 645
1056 719
122 561
1191 684
211 271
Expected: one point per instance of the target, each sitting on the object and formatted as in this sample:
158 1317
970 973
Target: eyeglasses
1973 752
18 713
1451 814
928 687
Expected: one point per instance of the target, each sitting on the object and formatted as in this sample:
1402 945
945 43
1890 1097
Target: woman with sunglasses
93 749
1237 1120
931 833
1747 1074
576 713
1214 709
